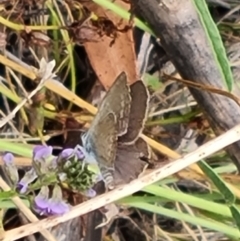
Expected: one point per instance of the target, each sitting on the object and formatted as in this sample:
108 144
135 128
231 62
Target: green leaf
215 40
152 81
236 215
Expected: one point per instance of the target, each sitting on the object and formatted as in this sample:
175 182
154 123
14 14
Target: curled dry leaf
114 52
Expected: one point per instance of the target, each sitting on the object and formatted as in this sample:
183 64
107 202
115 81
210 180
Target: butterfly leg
107 175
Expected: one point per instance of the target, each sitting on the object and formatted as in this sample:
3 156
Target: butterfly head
87 148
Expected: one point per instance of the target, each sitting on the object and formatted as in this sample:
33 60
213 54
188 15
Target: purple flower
28 178
22 187
41 201
41 153
90 193
8 158
58 207
10 169
67 153
70 152
55 205
41 162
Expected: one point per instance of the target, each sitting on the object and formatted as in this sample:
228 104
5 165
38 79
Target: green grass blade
236 215
123 14
218 182
200 203
215 40
16 148
210 224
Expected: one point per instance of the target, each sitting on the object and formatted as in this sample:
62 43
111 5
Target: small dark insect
89 30
107 27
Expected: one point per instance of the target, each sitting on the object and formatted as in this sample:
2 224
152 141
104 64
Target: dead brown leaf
109 61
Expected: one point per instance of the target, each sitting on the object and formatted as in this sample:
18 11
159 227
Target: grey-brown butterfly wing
128 165
138 112
118 101
101 143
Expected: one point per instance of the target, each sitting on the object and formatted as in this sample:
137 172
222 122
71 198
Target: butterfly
110 140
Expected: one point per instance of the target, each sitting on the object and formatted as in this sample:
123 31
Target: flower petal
42 199
67 153
8 158
10 169
23 188
28 178
41 152
58 208
56 203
